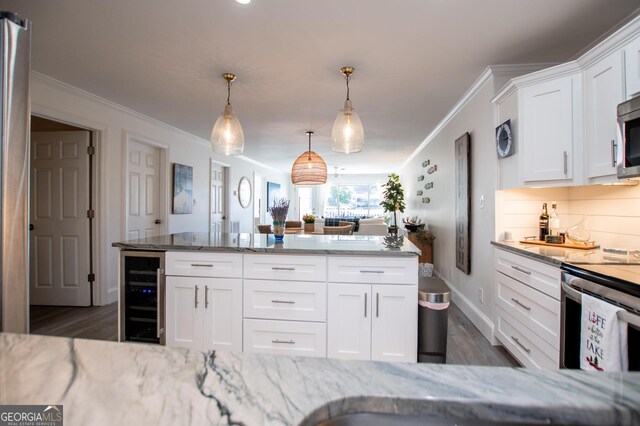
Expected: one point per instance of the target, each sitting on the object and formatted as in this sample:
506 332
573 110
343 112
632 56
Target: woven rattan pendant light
309 168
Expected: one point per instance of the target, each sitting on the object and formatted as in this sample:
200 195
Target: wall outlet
482 201
481 295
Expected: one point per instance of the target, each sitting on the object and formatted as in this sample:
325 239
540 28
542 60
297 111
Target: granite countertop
558 255
125 383
263 243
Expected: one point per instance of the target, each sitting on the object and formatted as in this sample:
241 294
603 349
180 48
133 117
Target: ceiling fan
335 172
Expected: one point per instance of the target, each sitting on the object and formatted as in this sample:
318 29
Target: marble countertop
124 383
558 255
263 243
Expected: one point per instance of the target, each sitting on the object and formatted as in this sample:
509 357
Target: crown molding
611 43
50 81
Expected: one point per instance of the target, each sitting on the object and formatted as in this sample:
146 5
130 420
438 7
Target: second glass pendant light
227 137
347 135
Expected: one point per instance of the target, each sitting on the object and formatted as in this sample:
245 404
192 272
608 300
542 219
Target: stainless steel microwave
629 135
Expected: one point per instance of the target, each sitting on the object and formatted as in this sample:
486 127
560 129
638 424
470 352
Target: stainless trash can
433 308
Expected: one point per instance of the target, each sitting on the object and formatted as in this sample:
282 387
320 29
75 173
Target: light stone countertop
263 243
136 384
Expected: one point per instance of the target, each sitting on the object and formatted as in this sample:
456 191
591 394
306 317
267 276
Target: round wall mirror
244 192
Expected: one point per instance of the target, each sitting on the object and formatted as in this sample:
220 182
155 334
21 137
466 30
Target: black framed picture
182 189
463 202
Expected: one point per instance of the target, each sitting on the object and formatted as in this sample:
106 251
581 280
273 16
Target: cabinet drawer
542 277
285 300
285 337
526 346
285 267
535 310
373 270
198 264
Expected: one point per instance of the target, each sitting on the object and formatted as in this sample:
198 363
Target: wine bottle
543 223
554 220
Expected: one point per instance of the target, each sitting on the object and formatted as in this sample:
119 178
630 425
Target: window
305 201
353 201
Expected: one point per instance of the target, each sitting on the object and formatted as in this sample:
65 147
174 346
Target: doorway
218 213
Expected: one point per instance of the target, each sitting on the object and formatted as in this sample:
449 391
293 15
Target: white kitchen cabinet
204 313
349 321
527 301
285 337
547 129
377 322
632 67
604 89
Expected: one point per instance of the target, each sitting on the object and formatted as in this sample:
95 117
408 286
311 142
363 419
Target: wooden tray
579 246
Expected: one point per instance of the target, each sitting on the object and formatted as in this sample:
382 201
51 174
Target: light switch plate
482 201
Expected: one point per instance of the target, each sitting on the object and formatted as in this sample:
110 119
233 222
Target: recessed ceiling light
244 1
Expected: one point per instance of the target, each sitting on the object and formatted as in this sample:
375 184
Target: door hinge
91 277
91 150
91 214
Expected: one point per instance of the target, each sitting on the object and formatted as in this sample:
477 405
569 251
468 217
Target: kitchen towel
603 342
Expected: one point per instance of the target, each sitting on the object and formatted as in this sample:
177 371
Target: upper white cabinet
632 67
548 129
604 90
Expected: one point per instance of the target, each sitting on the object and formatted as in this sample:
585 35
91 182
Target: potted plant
413 223
393 200
279 210
309 221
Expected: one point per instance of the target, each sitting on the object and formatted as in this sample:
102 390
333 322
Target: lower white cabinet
204 313
285 337
377 322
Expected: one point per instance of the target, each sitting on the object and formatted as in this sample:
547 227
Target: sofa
371 226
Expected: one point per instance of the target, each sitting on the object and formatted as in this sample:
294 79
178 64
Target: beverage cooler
142 295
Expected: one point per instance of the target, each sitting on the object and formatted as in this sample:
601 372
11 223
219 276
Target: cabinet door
546 124
349 321
183 313
604 90
394 329
632 67
222 314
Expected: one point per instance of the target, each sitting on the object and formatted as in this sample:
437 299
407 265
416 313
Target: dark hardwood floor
467 346
95 322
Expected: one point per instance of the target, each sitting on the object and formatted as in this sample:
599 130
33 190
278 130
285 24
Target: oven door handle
624 315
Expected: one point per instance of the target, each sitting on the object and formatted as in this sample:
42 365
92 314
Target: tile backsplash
613 212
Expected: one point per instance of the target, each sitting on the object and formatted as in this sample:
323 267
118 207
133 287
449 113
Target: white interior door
218 219
59 252
143 191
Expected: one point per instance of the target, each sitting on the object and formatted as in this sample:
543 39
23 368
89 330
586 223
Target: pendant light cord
347 77
309 133
229 92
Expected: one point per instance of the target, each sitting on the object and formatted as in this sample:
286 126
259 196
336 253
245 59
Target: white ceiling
413 60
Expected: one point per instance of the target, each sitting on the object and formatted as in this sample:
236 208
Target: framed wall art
182 189
463 202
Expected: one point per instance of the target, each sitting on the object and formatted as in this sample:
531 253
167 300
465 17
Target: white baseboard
475 315
112 295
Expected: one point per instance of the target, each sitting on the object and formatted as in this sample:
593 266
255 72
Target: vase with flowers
278 211
309 222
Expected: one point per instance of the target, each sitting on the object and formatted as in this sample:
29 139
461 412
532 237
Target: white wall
115 124
614 212
475 117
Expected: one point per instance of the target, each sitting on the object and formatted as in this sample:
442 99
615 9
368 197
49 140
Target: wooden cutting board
579 246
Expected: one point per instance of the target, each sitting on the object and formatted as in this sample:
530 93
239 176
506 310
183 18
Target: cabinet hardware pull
365 305
515 339
206 296
565 160
377 305
204 265
196 301
528 308
614 149
290 302
281 268
288 342
524 271
365 271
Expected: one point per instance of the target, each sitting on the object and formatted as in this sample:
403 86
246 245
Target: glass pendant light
347 135
227 137
309 168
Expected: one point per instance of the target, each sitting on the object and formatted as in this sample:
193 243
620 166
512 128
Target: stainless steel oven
595 281
628 160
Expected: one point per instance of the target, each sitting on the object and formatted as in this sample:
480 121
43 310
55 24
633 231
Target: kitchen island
348 297
125 384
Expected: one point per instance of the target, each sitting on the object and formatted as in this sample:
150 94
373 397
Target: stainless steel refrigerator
15 113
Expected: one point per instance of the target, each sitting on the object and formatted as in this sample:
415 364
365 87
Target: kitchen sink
376 419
